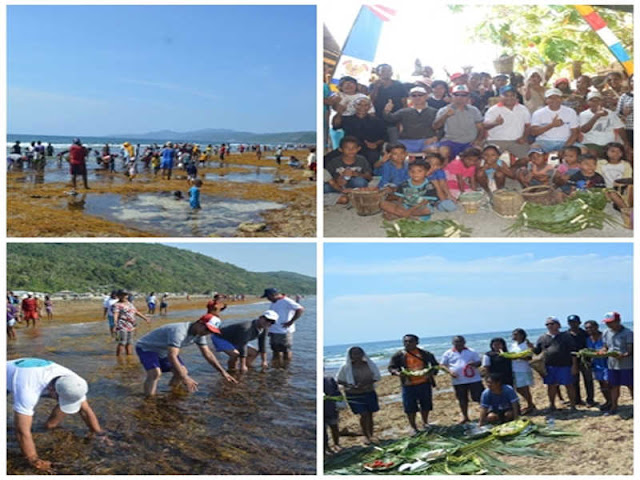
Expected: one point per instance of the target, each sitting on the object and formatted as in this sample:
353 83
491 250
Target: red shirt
29 305
77 155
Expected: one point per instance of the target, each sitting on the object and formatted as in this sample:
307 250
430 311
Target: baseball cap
573 318
76 141
553 319
611 317
457 75
458 89
269 291
594 95
271 315
211 321
501 75
535 150
552 91
348 78
560 80
507 88
417 90
72 391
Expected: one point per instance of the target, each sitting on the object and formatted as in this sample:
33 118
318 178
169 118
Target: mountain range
219 135
102 267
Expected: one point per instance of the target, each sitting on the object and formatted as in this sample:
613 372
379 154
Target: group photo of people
443 141
483 361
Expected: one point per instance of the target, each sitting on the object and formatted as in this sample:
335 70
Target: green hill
99 267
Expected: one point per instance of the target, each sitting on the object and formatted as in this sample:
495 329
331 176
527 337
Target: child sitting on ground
438 178
194 194
587 177
461 172
567 168
414 195
614 166
393 166
492 172
538 171
349 170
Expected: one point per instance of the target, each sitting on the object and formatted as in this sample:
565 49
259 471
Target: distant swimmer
28 379
159 351
50 150
16 148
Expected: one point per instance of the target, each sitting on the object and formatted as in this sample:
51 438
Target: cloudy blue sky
373 291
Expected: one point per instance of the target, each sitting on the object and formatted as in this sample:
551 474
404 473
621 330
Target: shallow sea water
264 425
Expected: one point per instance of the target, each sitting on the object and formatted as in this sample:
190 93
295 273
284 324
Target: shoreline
570 456
50 216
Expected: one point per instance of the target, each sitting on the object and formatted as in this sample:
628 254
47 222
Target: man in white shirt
554 126
281 333
508 124
28 379
600 126
462 364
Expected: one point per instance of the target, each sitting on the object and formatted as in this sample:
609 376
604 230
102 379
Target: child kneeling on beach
461 172
538 171
416 196
498 403
567 168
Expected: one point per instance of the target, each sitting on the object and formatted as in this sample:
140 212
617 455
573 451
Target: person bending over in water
159 351
241 333
28 379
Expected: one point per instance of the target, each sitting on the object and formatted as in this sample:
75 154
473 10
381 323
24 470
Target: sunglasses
548 324
418 94
460 95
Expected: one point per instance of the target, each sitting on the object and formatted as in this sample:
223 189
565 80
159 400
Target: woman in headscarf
358 375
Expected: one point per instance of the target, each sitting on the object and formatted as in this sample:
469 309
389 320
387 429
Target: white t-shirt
109 303
27 380
286 309
458 363
514 122
545 116
602 131
614 171
519 365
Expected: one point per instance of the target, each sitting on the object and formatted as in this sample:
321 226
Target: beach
604 447
264 425
271 200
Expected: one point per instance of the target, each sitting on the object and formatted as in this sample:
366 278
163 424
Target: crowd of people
158 351
152 158
432 140
28 309
506 379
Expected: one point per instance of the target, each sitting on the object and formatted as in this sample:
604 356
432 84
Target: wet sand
604 447
264 425
36 210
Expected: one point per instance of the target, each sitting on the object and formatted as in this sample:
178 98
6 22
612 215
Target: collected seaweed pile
452 450
583 210
406 227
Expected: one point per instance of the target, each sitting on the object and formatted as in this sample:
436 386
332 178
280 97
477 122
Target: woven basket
471 201
627 217
540 194
365 201
624 186
507 204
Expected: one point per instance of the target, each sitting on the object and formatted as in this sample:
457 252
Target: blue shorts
600 374
112 323
620 377
220 344
559 376
151 306
363 402
166 164
151 360
413 145
417 398
455 149
446 205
